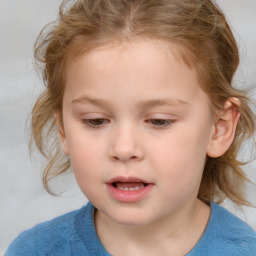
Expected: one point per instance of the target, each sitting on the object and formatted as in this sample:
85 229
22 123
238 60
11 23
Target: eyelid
168 123
86 122
165 126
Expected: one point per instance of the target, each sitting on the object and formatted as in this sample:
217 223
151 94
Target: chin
131 218
132 222
127 214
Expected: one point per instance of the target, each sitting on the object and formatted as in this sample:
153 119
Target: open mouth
129 186
129 189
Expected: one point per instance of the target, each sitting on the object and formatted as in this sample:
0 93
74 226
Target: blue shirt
74 234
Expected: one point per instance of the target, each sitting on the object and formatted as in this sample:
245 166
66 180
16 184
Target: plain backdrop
23 201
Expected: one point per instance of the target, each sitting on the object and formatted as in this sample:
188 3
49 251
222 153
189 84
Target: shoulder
226 234
237 235
230 225
52 236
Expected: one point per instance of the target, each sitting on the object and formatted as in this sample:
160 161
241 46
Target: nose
125 145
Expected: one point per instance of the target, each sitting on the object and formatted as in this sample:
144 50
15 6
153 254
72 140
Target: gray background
22 197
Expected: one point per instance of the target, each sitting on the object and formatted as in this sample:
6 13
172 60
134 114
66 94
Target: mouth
128 183
129 189
129 186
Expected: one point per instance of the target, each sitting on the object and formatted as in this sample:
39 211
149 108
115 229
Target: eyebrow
147 103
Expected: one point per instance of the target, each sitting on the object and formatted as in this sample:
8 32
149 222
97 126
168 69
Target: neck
175 235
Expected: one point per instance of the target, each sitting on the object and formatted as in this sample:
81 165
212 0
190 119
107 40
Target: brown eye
160 123
94 123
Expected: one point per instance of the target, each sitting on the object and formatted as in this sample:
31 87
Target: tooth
131 189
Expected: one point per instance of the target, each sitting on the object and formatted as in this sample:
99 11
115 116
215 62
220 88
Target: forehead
140 68
143 48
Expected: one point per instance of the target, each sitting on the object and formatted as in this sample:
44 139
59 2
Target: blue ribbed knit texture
74 234
225 235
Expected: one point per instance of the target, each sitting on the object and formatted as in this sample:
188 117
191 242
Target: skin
130 141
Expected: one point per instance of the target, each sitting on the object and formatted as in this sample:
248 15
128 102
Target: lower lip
129 196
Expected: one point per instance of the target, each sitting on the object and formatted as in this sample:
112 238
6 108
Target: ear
224 128
62 136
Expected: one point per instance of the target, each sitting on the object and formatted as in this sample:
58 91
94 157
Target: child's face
153 125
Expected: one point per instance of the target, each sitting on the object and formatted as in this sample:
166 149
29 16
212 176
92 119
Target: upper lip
127 179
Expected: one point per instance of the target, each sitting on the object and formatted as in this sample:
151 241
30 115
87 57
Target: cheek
180 169
86 168
85 153
181 158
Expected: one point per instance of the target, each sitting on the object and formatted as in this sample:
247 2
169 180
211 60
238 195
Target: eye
93 123
99 122
160 123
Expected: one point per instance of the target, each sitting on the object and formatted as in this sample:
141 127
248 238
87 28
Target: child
140 94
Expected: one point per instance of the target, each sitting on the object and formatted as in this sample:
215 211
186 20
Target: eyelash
87 123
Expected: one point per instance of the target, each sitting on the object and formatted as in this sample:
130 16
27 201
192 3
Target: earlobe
224 128
62 135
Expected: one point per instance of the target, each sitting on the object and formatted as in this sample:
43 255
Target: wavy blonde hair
205 42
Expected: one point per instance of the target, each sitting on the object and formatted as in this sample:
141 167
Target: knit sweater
74 234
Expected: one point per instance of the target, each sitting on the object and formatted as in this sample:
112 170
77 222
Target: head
197 36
